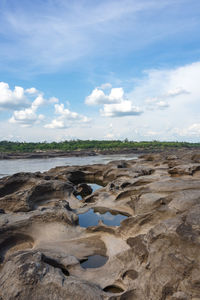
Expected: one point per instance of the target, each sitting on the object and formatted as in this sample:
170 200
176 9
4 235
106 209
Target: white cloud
98 96
31 91
53 100
28 116
56 123
114 104
38 102
16 98
116 95
125 108
66 118
176 92
105 86
10 100
171 85
171 99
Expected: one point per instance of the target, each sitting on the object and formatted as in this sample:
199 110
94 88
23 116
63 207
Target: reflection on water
94 261
91 218
9 167
94 186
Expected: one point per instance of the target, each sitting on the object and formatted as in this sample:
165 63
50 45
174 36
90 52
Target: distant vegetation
6 146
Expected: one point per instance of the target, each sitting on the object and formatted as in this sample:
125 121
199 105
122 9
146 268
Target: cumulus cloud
12 99
31 91
17 98
171 85
66 118
125 108
98 96
26 103
56 123
28 116
105 86
173 95
114 104
171 100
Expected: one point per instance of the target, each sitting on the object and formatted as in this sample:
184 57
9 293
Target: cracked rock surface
153 254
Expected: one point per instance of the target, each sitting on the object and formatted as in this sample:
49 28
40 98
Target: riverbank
10 150
84 153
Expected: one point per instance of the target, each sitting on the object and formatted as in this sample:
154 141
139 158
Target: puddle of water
94 261
91 218
94 187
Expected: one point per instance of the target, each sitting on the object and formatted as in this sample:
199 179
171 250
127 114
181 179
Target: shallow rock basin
91 218
94 186
94 261
113 289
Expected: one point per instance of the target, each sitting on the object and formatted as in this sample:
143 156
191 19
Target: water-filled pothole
91 218
113 289
87 189
94 186
94 261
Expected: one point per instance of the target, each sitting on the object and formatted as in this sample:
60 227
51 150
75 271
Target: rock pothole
114 289
52 262
92 218
94 261
15 243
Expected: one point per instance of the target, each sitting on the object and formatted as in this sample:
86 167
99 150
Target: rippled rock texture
153 254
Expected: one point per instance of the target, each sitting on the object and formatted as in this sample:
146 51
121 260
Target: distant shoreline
81 153
54 154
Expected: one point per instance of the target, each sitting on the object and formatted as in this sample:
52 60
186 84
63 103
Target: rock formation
154 254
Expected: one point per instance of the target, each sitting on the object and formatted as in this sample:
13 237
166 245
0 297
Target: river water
9 167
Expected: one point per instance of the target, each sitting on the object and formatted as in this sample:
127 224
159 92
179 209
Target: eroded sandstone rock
152 255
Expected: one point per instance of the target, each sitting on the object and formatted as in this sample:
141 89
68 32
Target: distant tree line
6 146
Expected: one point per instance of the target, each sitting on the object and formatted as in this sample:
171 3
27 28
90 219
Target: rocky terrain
48 252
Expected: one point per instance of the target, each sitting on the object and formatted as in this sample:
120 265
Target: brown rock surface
152 255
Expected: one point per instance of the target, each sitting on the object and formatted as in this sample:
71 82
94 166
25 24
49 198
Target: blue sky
106 69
